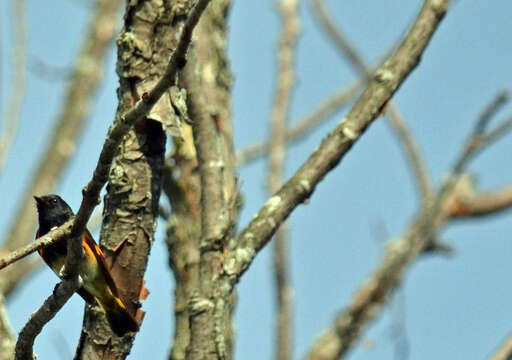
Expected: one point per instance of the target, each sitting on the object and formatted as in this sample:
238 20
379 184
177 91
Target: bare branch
499 130
480 139
499 100
51 238
280 112
396 119
369 106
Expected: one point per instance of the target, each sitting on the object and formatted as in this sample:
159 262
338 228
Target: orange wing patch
89 253
94 251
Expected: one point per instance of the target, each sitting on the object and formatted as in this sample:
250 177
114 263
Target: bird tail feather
120 320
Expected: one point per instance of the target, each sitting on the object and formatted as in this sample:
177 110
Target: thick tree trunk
151 31
208 82
207 79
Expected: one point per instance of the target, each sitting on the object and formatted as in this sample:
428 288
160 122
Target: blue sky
456 307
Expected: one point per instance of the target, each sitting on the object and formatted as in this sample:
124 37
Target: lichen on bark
150 34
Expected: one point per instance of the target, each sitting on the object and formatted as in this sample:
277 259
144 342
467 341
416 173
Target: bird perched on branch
97 284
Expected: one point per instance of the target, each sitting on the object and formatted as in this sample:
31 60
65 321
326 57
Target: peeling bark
151 32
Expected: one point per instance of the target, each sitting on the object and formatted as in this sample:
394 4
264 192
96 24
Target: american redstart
97 284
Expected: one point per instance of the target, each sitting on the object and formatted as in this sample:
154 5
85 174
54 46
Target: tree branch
52 237
499 100
369 106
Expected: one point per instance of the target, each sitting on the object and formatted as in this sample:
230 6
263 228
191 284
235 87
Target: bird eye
54 201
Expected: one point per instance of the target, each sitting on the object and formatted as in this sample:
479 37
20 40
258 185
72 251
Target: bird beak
38 200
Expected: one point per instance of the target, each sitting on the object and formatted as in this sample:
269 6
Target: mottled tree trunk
194 255
208 81
182 187
151 31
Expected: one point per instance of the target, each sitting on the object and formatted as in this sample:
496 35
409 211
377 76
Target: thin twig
17 91
499 130
51 238
479 141
280 112
91 192
302 184
499 100
393 113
